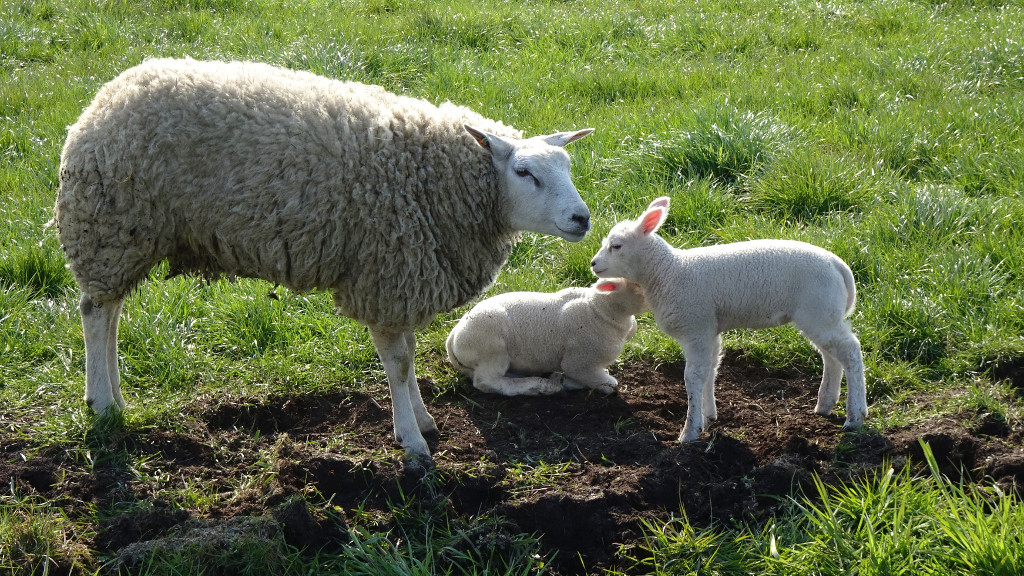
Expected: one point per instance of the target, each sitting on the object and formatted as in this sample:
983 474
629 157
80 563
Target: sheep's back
250 170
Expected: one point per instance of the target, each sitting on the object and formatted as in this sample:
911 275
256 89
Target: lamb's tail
851 286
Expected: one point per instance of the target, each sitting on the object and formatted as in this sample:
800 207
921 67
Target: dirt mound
580 470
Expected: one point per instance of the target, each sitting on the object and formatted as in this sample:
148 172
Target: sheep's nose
582 219
593 262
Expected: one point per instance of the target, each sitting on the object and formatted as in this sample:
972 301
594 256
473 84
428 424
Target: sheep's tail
851 286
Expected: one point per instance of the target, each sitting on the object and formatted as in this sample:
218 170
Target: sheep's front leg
491 378
396 355
115 378
594 379
698 376
424 420
99 328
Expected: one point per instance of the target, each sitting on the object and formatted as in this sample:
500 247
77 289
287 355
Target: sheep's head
626 294
534 176
627 240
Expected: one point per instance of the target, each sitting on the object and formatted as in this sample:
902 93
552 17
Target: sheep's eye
524 173
614 247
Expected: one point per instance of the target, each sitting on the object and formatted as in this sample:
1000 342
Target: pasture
258 435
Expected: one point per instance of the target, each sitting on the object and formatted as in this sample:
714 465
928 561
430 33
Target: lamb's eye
614 247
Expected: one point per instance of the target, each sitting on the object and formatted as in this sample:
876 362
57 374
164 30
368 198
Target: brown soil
617 460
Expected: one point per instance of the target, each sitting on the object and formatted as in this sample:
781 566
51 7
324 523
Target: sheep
697 294
509 344
401 209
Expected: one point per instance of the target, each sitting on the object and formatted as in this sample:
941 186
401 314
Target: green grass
890 524
889 131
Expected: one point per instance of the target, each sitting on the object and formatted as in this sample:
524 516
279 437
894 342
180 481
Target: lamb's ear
496 145
659 201
563 138
606 286
652 219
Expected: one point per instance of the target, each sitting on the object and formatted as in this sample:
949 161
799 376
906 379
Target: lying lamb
510 343
697 294
400 208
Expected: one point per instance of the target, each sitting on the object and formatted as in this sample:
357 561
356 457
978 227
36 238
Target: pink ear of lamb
652 219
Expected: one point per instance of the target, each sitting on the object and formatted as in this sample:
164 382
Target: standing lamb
697 294
509 344
400 208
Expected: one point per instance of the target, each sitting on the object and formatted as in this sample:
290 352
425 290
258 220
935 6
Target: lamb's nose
593 262
582 220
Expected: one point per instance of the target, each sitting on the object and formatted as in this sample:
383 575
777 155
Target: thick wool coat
250 170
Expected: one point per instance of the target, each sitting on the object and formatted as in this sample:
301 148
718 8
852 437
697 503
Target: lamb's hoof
687 436
850 426
606 389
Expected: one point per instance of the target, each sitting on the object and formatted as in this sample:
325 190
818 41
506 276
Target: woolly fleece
246 169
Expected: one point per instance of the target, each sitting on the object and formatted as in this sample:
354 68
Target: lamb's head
624 295
534 176
627 242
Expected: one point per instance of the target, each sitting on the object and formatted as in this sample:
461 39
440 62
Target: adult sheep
400 208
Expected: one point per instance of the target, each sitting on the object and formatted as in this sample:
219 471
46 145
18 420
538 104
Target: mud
580 470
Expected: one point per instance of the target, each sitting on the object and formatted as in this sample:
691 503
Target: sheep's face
622 248
534 176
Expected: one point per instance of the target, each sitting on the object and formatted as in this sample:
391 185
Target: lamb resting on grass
699 293
532 343
400 208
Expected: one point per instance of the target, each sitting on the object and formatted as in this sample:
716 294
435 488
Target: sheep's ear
661 201
652 219
496 145
563 138
606 286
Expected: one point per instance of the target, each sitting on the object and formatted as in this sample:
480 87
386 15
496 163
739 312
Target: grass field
888 131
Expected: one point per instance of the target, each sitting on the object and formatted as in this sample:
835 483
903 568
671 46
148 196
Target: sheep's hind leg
101 391
831 380
394 352
844 347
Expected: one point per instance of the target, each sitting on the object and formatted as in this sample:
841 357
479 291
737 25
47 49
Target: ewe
697 294
396 206
537 343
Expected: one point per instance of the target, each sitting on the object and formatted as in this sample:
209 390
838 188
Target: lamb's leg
842 345
424 420
112 369
393 350
491 377
710 407
594 379
698 374
96 321
831 379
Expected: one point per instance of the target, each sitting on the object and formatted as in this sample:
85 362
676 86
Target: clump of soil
580 470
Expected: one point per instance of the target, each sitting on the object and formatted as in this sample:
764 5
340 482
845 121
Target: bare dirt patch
579 470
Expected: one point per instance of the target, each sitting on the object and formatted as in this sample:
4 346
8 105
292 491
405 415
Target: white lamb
532 343
398 207
697 294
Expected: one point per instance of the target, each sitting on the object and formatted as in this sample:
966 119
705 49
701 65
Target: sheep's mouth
598 272
574 235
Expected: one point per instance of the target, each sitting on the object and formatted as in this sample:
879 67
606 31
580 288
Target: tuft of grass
891 523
